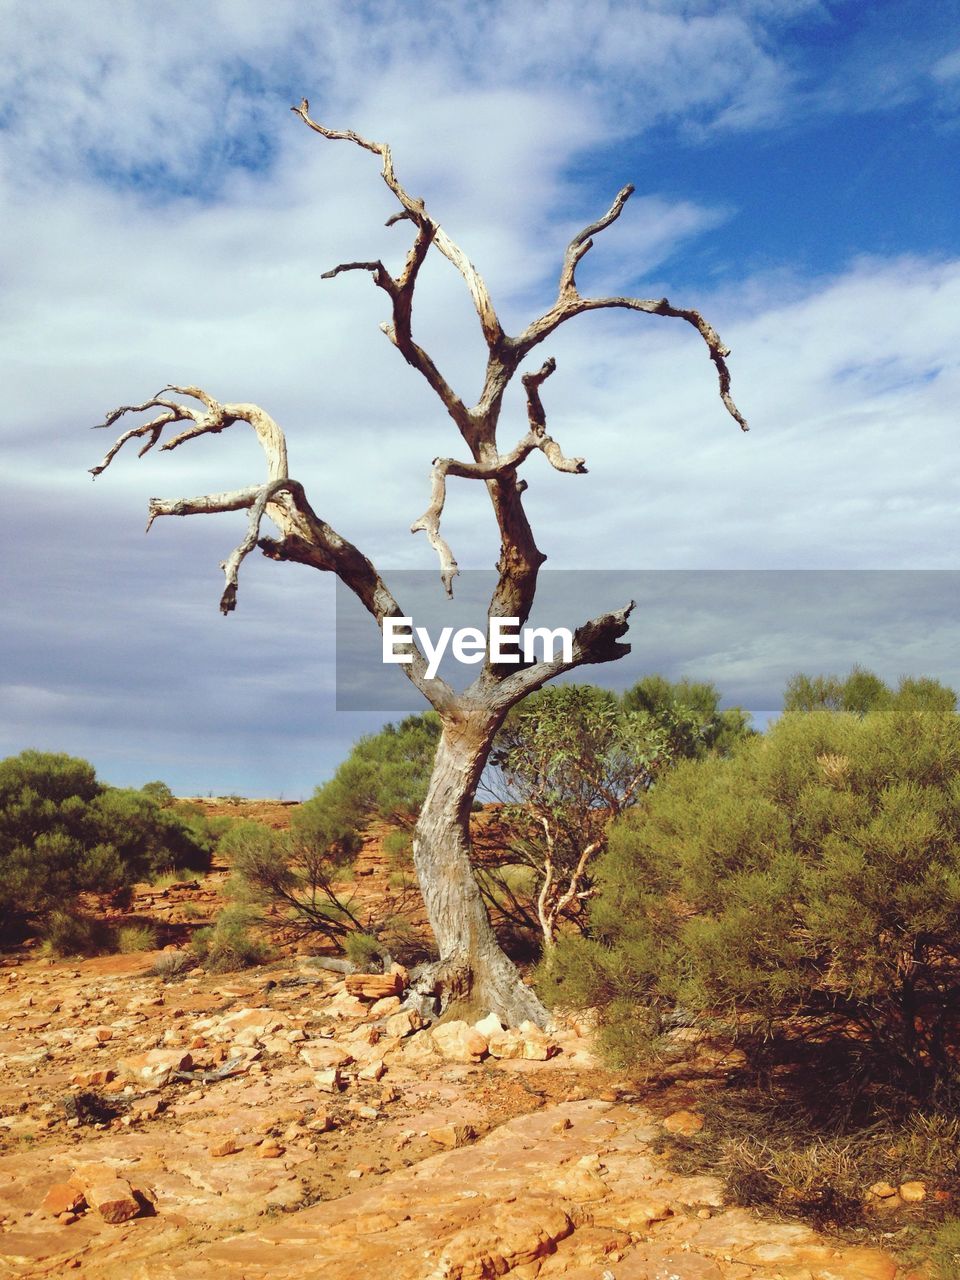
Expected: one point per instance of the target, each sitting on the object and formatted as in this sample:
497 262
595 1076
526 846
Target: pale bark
470 958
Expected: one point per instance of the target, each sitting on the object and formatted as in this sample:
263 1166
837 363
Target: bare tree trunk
471 962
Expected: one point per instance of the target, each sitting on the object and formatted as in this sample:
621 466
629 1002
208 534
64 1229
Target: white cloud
206 272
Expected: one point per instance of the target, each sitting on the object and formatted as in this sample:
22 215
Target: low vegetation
64 833
803 892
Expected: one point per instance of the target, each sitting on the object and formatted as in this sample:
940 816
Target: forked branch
594 642
305 538
502 467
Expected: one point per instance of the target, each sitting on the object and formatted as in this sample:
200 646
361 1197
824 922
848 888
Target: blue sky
166 219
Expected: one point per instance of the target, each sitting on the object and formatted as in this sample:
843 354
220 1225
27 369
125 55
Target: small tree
806 887
384 777
690 712
862 691
470 960
567 762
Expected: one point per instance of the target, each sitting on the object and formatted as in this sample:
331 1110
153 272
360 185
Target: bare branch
205 504
569 303
305 538
582 243
414 209
381 275
503 466
231 566
593 642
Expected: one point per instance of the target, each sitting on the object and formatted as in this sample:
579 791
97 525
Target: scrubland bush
136 937
804 890
71 933
62 832
230 942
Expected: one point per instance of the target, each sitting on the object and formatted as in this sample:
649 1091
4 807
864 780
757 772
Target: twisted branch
414 209
504 465
594 642
305 538
571 303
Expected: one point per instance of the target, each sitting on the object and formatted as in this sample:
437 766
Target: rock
94 1079
110 1195
374 986
452 1135
581 1185
328 1081
459 1042
269 1150
374 1070
912 1192
521 1235
384 1007
639 1215
156 1066
64 1197
103 1034
229 1147
488 1026
537 1045
146 1108
505 1044
403 1023
683 1123
246 1026
325 1055
882 1190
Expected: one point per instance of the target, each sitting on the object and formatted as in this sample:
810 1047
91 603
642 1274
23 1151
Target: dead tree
470 960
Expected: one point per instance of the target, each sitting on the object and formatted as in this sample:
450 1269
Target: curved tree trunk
471 962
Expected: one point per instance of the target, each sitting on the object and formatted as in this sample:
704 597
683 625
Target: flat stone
156 1066
374 986
683 1123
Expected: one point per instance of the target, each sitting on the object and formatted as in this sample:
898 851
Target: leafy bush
171 964
363 950
398 846
862 691
689 712
806 888
70 933
945 1250
229 944
160 792
385 776
62 833
566 762
136 937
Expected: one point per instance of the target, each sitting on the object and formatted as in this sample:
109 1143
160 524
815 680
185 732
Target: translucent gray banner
746 631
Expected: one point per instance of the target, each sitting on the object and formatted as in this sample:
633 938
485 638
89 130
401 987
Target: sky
166 219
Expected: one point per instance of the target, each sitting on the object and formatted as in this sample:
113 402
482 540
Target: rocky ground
290 1122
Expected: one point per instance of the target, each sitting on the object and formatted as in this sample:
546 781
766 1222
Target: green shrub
384 776
287 870
363 950
805 888
63 833
229 943
136 937
398 846
160 792
70 933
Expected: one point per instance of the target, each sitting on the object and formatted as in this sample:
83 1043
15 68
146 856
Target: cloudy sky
165 218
